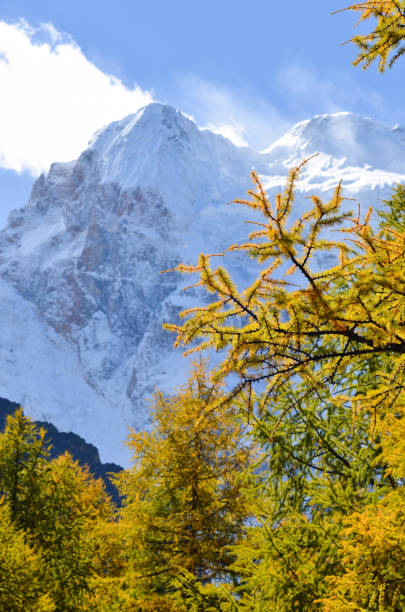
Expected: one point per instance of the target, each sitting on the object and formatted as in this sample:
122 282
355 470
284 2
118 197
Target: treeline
285 492
65 546
61 442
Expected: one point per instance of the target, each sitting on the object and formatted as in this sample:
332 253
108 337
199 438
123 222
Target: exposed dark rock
82 451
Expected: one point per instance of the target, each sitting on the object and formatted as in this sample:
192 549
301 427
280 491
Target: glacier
82 296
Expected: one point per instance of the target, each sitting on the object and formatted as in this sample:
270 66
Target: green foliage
191 595
318 470
72 505
316 524
23 460
55 508
393 215
331 354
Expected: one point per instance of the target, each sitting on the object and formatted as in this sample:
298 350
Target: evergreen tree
74 504
393 213
57 509
23 468
21 587
184 499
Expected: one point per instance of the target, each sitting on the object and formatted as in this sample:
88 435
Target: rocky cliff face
82 297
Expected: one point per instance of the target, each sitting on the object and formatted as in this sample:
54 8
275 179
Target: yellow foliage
330 349
21 568
341 316
373 554
386 37
184 499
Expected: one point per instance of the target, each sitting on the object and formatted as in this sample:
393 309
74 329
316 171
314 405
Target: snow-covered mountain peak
357 141
82 297
159 148
155 120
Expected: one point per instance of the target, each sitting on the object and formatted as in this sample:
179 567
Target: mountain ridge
81 287
61 442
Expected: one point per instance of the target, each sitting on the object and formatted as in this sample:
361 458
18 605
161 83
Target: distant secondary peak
356 139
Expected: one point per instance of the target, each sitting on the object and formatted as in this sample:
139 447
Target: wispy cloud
239 114
53 98
303 84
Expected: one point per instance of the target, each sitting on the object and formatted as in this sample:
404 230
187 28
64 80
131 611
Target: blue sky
246 69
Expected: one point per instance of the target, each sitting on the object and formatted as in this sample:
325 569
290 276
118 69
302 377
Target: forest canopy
281 491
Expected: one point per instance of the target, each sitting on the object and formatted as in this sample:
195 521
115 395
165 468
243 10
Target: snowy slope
83 297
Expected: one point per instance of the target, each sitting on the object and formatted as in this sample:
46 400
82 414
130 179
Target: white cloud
52 98
304 84
237 113
235 132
